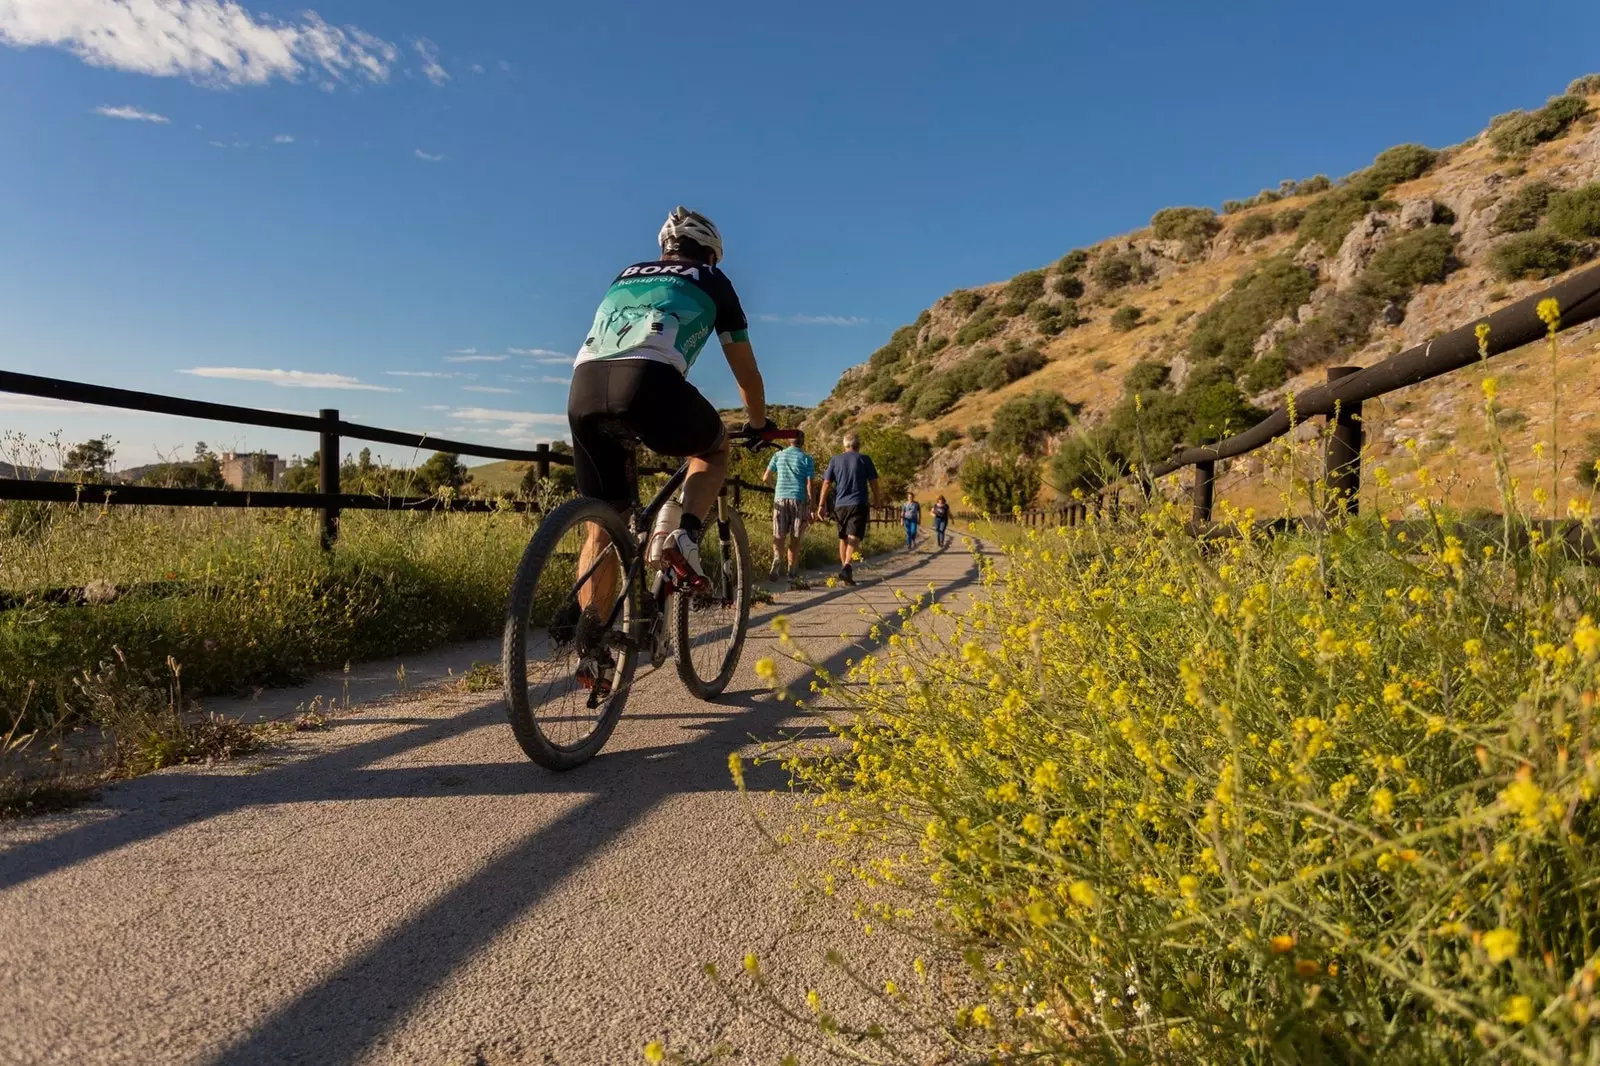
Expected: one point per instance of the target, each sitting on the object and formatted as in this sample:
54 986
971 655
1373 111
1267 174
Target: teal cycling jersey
665 311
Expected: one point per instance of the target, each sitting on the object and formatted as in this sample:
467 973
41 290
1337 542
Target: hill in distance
1210 317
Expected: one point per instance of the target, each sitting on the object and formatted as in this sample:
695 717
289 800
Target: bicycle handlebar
768 435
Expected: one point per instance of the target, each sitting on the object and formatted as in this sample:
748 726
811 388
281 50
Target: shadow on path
348 1011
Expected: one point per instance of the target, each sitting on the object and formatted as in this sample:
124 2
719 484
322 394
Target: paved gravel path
407 887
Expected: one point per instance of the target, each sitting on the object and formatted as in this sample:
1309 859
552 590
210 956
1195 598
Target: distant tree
92 458
1000 482
1023 424
442 470
897 455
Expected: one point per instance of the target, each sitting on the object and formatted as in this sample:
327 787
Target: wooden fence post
328 475
1342 460
541 461
1205 484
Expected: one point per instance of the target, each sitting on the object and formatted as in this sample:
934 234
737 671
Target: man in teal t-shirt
791 503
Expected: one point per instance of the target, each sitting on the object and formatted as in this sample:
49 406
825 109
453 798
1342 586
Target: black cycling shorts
616 404
852 521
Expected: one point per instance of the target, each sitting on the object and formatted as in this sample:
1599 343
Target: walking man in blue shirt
791 503
855 484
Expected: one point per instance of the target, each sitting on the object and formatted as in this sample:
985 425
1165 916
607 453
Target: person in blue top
791 503
911 515
854 481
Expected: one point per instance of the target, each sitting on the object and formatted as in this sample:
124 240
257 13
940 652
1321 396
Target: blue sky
310 208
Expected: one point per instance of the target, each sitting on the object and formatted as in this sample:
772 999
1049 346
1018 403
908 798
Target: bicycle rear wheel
709 625
566 674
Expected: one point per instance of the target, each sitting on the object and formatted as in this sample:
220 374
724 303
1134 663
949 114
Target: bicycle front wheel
709 625
566 671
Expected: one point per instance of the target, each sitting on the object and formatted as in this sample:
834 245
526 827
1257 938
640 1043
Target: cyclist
629 385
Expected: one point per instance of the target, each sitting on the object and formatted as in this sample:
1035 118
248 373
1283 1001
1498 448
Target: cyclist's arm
742 361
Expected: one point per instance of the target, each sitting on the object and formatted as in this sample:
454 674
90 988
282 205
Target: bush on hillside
1395 166
1068 285
1025 287
978 433
900 344
1588 85
1313 185
935 344
896 454
1053 318
1023 424
1012 366
934 397
1520 132
1267 372
980 327
1331 215
1576 214
1420 257
1126 318
1288 220
1120 268
964 301
1194 226
1146 376
1540 254
1522 210
999 483
1346 321
946 437
1081 465
1228 329
1073 262
884 390
1254 227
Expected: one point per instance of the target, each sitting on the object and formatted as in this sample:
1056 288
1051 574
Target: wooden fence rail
331 432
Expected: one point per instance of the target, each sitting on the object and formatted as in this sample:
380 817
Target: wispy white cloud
552 379
431 68
212 42
543 355
815 320
132 114
513 418
428 157
488 388
476 68
283 138
422 374
436 407
292 379
469 357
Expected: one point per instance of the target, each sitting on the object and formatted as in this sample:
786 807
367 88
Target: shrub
884 390
1011 308
1082 463
1345 321
1520 132
1421 257
1023 424
1288 220
1402 163
936 396
946 437
1013 366
900 344
1228 329
1329 217
1576 214
1194 226
1587 85
1313 185
1126 318
1073 262
1522 210
1540 254
980 327
896 454
1254 227
965 301
935 344
999 483
1588 471
1146 376
1267 372
1068 285
1025 287
1120 268
978 433
1100 366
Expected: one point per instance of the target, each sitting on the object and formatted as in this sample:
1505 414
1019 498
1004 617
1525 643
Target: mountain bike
587 603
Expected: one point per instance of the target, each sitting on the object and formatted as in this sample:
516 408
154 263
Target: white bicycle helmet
691 225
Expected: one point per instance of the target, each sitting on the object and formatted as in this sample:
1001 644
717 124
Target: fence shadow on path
348 1011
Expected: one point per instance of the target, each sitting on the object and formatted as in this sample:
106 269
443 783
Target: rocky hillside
1208 317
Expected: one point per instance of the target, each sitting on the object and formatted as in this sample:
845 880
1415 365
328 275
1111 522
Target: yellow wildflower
1501 944
1282 944
1307 968
1519 1011
766 669
1491 388
1550 314
1587 638
736 768
1082 893
980 1015
1382 804
655 1053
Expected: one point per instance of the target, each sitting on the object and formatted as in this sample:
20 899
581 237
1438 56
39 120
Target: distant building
252 470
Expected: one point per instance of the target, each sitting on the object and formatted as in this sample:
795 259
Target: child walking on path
911 514
941 519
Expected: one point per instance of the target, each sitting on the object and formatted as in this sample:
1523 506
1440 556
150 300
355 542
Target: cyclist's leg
672 418
605 470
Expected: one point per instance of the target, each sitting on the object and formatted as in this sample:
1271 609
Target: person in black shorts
855 483
629 387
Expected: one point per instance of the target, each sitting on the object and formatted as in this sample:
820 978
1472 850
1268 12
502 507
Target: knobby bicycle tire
683 611
520 625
